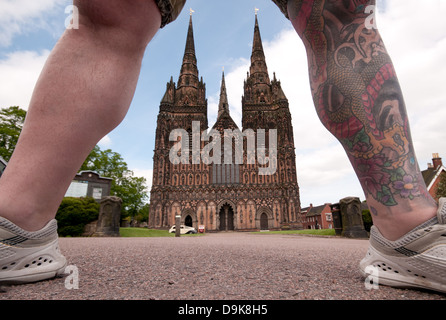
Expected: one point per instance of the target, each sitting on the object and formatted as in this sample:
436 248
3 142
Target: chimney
436 160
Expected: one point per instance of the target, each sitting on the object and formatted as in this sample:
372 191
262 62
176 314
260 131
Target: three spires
189 76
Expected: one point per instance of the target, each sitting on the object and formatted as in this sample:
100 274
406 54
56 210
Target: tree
440 192
132 190
367 219
143 214
106 163
11 124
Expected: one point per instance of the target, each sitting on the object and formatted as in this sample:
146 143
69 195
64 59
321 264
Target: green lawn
318 232
145 233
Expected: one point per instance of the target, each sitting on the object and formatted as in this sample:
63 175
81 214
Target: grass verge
147 233
318 232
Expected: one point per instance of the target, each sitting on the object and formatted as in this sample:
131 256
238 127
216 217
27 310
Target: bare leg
359 100
84 92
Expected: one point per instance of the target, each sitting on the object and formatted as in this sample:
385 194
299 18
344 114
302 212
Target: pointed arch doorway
226 215
264 222
188 221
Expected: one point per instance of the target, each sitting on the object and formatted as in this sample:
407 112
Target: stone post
337 218
177 226
352 225
109 217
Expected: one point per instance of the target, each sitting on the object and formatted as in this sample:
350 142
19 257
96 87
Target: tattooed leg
358 98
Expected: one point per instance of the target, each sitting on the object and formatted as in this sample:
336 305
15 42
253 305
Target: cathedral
225 178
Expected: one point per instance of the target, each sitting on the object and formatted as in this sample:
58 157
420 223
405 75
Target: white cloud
20 71
105 142
415 36
19 16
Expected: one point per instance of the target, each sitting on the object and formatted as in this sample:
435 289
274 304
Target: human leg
83 92
358 98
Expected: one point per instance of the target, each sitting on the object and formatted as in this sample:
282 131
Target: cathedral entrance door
226 218
188 221
264 221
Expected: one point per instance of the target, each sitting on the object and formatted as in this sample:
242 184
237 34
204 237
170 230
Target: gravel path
222 266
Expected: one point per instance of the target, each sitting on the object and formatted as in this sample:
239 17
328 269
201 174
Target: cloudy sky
415 36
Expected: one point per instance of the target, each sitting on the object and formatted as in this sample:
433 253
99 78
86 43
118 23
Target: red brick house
433 173
319 217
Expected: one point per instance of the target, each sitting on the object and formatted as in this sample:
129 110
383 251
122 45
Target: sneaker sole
392 274
40 265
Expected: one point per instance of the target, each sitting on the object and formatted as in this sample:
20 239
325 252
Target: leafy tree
132 190
106 163
441 188
367 219
143 213
11 124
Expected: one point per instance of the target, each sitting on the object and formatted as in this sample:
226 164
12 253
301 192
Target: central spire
223 105
189 71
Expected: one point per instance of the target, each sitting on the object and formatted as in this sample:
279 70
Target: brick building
319 217
256 189
433 174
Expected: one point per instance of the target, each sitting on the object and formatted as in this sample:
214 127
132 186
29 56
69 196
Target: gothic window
175 179
253 177
225 173
189 133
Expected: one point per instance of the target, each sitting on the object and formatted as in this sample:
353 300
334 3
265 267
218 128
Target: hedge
74 213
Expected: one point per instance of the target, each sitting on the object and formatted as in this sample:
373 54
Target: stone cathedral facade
231 194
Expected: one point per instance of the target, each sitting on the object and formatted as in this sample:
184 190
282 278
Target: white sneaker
417 260
29 256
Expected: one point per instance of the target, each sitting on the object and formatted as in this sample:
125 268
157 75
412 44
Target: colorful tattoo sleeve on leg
357 95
